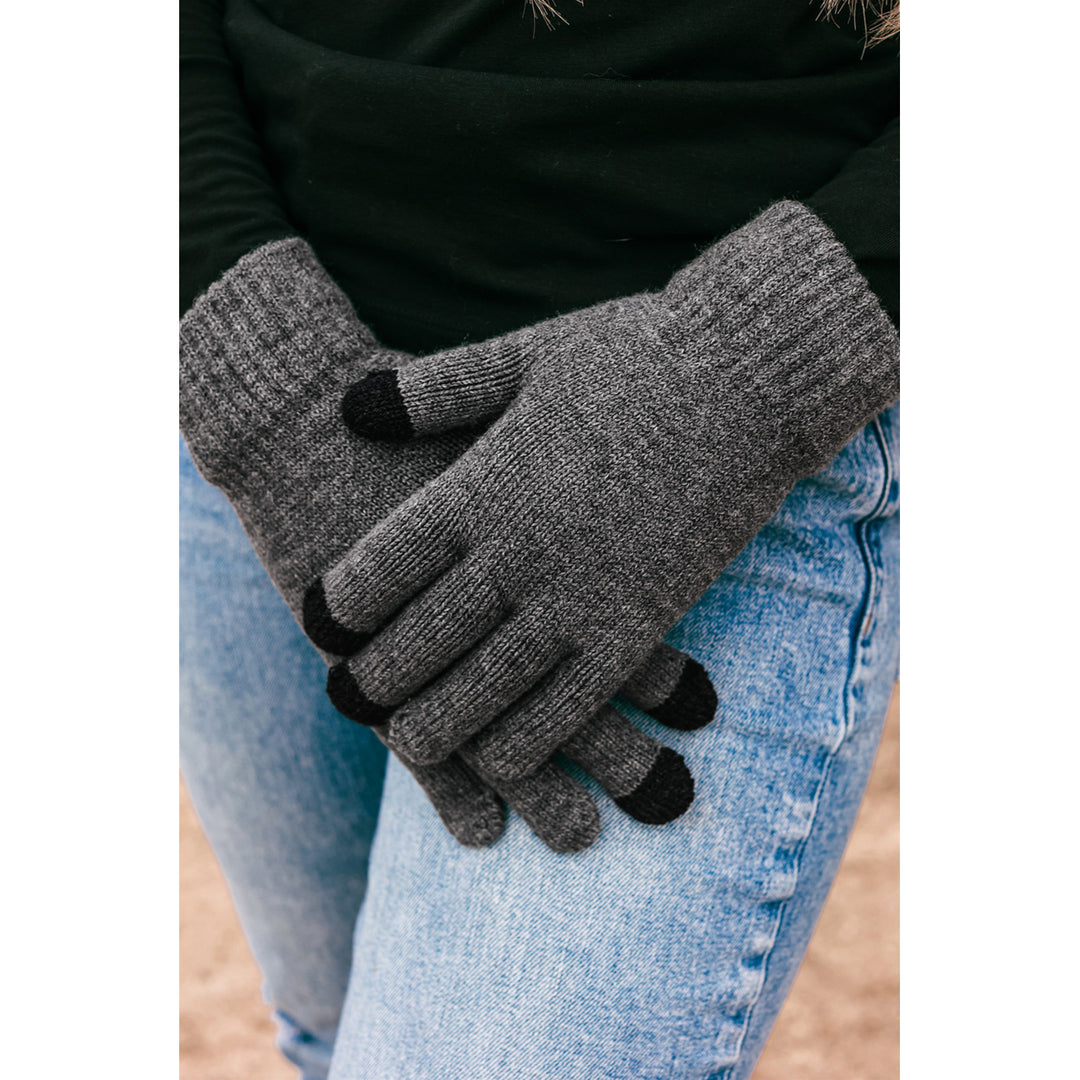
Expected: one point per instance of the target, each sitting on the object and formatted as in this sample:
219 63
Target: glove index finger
380 574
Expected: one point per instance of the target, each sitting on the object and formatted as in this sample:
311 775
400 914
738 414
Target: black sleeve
228 203
861 204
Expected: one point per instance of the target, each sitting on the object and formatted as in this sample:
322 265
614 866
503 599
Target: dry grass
840 1022
879 19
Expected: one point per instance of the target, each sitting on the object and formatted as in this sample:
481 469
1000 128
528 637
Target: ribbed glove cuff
257 346
784 301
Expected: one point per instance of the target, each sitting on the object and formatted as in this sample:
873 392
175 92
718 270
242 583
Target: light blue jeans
391 953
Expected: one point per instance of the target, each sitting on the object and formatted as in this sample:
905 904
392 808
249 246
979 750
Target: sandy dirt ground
839 1023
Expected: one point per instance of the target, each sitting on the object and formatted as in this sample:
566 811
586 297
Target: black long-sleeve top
461 176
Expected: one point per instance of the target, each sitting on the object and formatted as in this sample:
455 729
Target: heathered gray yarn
639 445
265 356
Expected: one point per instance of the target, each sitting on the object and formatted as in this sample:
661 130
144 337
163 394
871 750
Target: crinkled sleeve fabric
228 202
861 205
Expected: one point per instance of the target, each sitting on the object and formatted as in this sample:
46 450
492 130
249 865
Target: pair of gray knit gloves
482 597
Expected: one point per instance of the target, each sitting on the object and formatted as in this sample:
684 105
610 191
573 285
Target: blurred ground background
839 1023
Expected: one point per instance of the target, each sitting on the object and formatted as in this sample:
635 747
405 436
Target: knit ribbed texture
265 357
260 344
642 443
798 328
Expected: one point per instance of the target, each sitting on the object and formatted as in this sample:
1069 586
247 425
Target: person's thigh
661 952
286 789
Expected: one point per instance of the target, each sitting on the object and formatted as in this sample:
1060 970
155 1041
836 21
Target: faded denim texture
661 952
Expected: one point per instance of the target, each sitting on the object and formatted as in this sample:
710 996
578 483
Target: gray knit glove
639 445
265 356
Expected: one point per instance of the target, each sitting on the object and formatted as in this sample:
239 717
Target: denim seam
778 925
859 642
869 550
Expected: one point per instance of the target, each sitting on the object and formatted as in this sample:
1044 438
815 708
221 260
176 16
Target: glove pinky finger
471 811
554 805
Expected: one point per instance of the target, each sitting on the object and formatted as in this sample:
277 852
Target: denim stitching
864 624
869 550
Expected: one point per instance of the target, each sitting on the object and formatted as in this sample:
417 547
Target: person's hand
638 446
266 354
